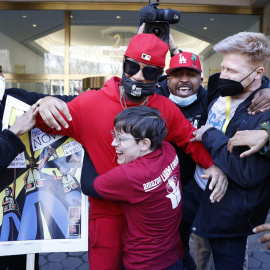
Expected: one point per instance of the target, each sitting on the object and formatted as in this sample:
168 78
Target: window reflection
98 40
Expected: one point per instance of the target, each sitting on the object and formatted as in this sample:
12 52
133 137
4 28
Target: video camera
157 20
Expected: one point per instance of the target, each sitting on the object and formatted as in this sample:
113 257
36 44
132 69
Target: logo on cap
194 59
146 57
182 59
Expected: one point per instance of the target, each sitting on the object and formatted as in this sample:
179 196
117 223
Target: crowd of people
165 157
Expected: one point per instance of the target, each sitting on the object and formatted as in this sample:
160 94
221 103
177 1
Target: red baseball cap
185 60
148 49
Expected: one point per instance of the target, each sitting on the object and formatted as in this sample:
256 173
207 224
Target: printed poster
42 208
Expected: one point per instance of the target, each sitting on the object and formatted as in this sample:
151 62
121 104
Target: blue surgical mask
183 102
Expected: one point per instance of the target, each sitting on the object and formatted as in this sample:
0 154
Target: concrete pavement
258 257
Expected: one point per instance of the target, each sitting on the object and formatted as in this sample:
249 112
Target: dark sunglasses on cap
149 73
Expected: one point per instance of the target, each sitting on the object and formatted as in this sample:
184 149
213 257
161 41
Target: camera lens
160 29
157 31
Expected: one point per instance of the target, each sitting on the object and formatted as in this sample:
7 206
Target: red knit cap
185 60
148 49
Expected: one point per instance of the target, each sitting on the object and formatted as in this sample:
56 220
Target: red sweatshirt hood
111 88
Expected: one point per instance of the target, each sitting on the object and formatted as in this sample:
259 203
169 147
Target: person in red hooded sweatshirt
90 117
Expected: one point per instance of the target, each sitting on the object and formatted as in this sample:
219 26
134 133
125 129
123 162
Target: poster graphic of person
70 185
40 203
11 215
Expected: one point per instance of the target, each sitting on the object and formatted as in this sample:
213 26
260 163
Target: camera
157 21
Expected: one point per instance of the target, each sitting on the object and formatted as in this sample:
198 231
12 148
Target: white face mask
183 102
2 87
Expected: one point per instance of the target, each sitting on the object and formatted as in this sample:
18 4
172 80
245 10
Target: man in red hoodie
91 117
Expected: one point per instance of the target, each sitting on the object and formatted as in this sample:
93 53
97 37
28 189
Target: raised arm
243 171
14 188
74 170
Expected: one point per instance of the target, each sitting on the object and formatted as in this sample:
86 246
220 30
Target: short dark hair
9 188
142 122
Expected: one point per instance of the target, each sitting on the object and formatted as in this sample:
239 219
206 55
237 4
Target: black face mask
229 87
137 89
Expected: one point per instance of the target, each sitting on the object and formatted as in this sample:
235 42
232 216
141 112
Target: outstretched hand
254 139
266 237
260 102
219 182
198 133
50 108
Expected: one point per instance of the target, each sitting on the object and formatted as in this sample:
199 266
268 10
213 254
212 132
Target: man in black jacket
246 202
184 87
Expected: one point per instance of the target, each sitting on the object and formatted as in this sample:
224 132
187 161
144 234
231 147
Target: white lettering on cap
146 57
182 59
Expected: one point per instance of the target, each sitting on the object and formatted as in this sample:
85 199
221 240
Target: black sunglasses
149 73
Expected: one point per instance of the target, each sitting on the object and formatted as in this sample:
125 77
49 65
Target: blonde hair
254 46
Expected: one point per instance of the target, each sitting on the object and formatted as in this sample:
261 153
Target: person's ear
201 81
145 144
259 73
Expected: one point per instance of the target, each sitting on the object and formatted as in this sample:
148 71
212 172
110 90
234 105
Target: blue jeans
6 225
176 266
188 262
29 220
191 199
228 253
